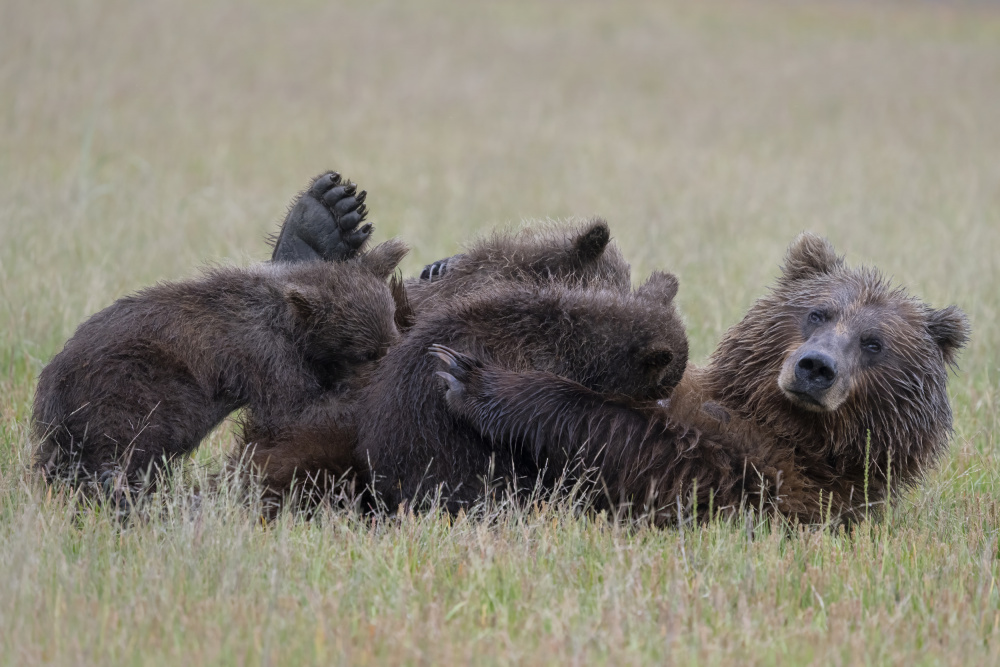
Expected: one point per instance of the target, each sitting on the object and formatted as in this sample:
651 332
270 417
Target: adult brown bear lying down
831 389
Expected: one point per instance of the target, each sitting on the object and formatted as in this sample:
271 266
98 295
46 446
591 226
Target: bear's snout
816 371
810 378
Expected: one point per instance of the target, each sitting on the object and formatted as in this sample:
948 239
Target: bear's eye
817 317
871 345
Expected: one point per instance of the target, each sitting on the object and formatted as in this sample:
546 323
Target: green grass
139 141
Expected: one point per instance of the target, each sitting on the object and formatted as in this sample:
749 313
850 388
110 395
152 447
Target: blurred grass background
141 140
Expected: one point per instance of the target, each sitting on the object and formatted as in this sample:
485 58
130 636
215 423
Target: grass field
140 141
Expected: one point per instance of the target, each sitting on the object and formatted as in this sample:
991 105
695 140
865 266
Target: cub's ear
949 327
660 287
592 240
808 256
404 315
302 302
383 258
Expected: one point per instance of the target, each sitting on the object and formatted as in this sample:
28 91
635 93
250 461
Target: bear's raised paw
325 222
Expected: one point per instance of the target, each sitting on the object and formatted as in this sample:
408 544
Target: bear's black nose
817 370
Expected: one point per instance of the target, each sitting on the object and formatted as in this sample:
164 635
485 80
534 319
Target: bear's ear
949 327
660 287
303 304
808 256
383 258
404 315
592 241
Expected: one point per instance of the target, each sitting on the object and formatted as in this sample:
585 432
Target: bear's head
346 314
836 359
630 344
855 330
659 349
580 255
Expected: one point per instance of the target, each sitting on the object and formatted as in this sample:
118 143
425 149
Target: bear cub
613 340
147 378
324 222
576 256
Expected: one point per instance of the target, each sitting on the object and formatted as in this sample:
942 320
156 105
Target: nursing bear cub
615 342
830 389
147 378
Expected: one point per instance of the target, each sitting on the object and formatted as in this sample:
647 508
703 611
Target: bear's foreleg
638 457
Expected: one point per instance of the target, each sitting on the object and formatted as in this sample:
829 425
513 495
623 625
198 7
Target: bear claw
436 270
459 371
324 183
455 388
460 365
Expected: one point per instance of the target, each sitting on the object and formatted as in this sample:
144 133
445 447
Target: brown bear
629 344
557 298
148 377
575 256
826 399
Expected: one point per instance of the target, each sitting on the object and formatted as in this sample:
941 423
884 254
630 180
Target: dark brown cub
579 255
614 342
147 378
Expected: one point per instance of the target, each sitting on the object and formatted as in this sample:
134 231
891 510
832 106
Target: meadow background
142 140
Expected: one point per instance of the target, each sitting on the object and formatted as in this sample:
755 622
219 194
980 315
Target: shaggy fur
306 460
831 391
324 222
616 343
575 256
524 280
148 377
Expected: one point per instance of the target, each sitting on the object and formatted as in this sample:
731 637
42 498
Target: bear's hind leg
325 223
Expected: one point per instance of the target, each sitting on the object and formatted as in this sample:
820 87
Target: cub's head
626 344
348 314
580 255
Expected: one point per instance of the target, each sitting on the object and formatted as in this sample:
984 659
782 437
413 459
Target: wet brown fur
557 298
731 433
575 255
614 343
307 460
148 377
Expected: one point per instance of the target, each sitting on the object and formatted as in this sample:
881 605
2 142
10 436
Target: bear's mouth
804 400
